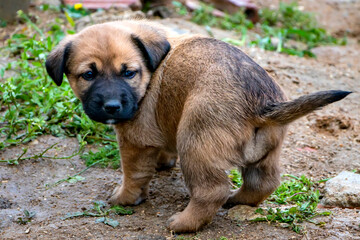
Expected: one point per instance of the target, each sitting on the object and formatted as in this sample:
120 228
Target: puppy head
109 66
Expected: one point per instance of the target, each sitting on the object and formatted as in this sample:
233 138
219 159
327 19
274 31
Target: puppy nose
112 106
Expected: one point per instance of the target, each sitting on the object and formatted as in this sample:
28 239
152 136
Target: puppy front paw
184 222
122 196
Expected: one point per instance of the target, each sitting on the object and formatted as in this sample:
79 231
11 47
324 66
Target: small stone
53 226
243 213
35 142
284 225
343 190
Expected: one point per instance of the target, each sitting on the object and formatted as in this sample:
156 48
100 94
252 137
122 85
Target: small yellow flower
78 6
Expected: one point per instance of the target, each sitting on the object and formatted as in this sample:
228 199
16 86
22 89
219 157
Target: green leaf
69 18
73 215
75 179
259 210
111 222
100 220
120 210
293 210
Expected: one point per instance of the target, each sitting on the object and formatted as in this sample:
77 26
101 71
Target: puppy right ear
56 62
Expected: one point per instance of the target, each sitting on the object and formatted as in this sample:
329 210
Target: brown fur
206 102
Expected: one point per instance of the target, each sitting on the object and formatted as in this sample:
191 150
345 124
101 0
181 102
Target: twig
100 138
291 176
298 193
68 157
36 156
40 155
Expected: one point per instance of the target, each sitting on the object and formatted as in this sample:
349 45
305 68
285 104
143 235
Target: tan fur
202 103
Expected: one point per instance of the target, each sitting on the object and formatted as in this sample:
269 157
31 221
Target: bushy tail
286 112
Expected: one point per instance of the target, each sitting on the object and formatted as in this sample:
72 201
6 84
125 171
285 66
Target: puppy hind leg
209 190
259 181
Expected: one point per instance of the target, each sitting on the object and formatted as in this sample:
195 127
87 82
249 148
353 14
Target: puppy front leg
138 166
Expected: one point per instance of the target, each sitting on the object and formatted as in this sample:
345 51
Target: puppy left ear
153 47
56 62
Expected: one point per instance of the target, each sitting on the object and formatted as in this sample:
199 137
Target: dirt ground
320 145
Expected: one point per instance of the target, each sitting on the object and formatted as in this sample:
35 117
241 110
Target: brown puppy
195 97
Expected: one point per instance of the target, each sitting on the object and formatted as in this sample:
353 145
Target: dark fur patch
56 63
153 52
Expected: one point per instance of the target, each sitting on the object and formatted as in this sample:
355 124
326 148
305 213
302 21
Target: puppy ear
153 47
56 62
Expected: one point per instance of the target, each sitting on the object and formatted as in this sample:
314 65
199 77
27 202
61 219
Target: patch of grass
288 22
237 21
109 153
299 193
286 29
99 210
294 190
30 103
196 237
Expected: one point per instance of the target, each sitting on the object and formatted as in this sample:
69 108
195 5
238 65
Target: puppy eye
129 74
88 76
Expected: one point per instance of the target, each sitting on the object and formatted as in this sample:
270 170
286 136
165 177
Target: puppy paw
121 196
232 201
166 165
238 198
183 222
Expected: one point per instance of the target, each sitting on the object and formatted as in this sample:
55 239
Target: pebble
343 190
243 213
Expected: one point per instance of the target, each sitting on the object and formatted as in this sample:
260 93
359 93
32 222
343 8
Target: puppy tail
285 112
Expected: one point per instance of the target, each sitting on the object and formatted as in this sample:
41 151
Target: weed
180 9
110 154
286 29
297 192
26 218
3 23
223 238
237 21
288 22
196 237
74 11
99 210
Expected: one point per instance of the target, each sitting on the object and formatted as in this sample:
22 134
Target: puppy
189 96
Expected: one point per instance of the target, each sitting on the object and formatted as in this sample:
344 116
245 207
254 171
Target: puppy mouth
97 112
111 121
